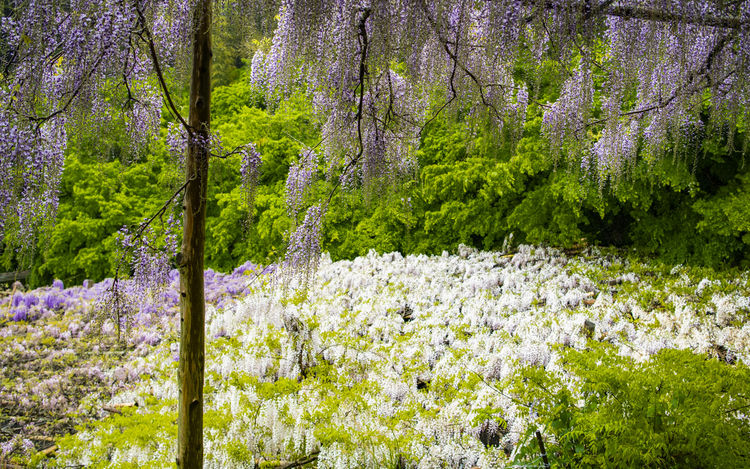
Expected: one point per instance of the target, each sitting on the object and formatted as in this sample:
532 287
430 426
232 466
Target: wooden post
541 448
192 299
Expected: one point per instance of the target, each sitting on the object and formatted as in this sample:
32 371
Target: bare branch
693 85
363 41
157 69
653 14
300 462
605 8
40 120
453 54
138 235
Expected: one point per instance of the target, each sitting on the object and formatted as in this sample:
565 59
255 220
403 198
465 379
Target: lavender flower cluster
81 66
249 173
304 246
61 360
690 58
300 177
378 72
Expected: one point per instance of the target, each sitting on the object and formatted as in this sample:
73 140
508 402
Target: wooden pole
540 440
192 299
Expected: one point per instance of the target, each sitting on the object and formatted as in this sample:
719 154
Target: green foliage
725 216
154 432
477 191
473 187
677 409
231 45
97 199
235 232
100 193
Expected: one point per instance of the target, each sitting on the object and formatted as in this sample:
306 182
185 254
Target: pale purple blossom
304 247
299 179
249 173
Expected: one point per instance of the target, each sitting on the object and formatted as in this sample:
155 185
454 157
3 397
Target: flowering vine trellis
635 76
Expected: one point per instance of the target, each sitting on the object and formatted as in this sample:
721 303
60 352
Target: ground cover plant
454 360
61 358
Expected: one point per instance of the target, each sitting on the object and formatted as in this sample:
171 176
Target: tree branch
605 8
540 440
362 75
300 462
653 14
40 120
694 80
114 288
157 69
453 55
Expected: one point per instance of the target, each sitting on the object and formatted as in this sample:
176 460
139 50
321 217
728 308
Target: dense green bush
476 190
473 187
97 199
677 409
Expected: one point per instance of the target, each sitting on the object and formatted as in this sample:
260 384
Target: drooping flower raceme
632 74
300 178
377 72
249 173
61 64
303 251
148 261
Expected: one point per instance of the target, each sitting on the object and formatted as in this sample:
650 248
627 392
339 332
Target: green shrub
677 409
473 187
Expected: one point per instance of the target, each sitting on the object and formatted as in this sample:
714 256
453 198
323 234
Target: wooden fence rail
13 276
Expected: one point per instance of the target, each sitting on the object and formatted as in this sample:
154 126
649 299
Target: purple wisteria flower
177 143
30 300
17 299
245 268
53 301
249 174
304 250
7 447
19 313
298 180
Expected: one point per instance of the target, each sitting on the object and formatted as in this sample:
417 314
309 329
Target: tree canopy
635 78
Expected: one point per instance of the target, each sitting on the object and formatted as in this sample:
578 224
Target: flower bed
392 361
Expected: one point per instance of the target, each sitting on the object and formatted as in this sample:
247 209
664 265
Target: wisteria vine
635 77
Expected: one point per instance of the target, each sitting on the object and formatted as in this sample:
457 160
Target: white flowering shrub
392 361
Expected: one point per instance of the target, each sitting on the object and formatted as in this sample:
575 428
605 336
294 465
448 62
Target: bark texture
192 303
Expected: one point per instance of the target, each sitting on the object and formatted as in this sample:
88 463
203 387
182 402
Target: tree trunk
192 302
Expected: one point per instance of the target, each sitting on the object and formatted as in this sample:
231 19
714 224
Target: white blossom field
389 361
